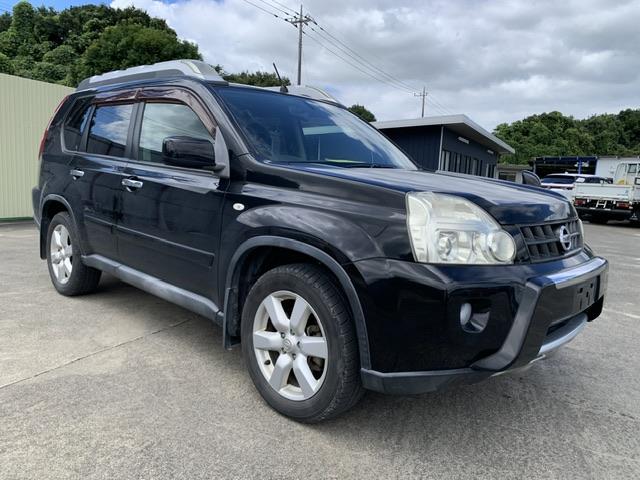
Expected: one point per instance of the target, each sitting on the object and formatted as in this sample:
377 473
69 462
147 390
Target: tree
259 79
65 46
5 21
555 134
5 65
128 45
362 112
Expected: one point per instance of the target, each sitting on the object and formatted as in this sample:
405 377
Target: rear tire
68 274
300 344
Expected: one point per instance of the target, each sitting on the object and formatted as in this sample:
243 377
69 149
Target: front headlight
450 229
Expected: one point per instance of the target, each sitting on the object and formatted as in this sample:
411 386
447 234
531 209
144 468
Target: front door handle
76 174
132 184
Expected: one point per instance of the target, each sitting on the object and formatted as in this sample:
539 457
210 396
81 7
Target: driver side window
162 120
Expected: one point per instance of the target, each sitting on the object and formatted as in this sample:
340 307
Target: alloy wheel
290 345
61 252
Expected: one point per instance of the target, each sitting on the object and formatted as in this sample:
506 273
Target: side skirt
189 300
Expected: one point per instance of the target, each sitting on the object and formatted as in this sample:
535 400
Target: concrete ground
120 384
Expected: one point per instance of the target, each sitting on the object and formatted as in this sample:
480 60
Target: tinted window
109 128
75 124
162 120
562 180
290 129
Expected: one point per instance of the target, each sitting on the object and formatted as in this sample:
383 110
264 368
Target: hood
509 203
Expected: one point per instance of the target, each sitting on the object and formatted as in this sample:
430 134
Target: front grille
544 243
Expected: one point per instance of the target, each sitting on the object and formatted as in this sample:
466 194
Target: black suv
308 236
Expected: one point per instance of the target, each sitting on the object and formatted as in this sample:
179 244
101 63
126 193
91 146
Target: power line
291 10
355 59
369 74
367 65
438 103
274 7
263 9
424 97
299 21
388 75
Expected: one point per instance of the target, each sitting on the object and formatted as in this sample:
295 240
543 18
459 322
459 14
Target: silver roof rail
172 68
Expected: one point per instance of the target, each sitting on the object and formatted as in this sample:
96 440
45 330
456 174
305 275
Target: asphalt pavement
120 384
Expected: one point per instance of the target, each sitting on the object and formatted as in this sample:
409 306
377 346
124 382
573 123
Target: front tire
300 345
68 274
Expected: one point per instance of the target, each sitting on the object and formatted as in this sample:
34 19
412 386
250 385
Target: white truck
601 202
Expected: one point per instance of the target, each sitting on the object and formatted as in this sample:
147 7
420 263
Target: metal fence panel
25 108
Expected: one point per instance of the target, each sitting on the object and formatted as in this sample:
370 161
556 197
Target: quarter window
109 129
76 123
162 120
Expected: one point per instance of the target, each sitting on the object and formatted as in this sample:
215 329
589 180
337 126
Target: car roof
186 70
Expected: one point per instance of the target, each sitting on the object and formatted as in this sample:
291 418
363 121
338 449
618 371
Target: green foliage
66 46
5 65
259 79
5 21
362 112
554 134
128 45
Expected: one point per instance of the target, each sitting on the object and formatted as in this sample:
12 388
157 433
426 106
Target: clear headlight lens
450 229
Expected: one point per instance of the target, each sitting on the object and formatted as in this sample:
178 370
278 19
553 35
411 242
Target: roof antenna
283 87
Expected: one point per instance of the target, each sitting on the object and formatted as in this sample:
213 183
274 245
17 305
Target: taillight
46 130
622 205
579 201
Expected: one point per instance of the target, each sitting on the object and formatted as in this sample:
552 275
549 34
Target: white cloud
494 61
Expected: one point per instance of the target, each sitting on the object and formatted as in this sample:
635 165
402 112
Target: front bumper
610 213
552 309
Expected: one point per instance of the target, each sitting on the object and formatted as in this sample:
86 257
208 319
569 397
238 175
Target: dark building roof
460 124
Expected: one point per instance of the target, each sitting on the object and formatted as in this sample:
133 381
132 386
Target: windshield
564 180
289 129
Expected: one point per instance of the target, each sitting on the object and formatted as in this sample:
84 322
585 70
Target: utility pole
299 21
424 97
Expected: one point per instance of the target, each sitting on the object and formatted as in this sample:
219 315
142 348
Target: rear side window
76 123
162 120
109 129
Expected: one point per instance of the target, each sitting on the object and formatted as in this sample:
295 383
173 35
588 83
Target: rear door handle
132 184
76 174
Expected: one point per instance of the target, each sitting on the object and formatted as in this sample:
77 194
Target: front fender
233 274
347 240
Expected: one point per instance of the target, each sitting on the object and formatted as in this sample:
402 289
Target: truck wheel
300 344
68 274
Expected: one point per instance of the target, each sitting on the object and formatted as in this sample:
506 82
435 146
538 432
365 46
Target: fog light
472 322
465 313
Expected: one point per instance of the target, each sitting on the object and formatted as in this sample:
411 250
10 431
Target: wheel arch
299 251
51 205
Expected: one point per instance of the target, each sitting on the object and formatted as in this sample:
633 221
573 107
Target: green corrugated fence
25 108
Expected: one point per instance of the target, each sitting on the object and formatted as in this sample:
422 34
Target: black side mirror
530 178
190 152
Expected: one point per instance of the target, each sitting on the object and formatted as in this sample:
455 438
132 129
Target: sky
495 61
